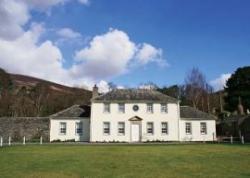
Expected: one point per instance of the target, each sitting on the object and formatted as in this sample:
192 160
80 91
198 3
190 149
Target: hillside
29 82
28 96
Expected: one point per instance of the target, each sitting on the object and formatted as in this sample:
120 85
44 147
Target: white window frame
106 107
121 107
149 124
62 130
109 128
188 128
203 128
162 128
120 129
164 108
77 129
150 108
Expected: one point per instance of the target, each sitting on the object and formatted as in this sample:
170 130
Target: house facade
132 115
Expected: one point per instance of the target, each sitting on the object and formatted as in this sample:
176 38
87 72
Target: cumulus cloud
111 54
68 33
220 82
106 55
25 56
13 15
148 53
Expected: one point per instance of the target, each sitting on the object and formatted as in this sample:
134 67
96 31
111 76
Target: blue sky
213 35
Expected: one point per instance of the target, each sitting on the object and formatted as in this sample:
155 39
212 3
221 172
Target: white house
132 115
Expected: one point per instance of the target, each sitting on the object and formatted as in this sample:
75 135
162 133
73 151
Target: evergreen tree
238 86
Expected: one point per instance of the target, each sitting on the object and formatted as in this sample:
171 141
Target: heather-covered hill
28 96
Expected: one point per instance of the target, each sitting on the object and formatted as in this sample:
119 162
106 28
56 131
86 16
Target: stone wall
30 127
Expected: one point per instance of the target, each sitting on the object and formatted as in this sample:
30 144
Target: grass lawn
196 160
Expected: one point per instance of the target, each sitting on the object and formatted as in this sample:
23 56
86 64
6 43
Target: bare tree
6 92
195 86
40 95
148 85
209 91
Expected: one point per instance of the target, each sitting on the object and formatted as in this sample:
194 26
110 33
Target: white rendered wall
196 133
71 129
98 117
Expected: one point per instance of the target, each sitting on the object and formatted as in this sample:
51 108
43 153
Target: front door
135 132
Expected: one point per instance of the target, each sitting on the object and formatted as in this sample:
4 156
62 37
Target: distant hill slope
24 98
27 81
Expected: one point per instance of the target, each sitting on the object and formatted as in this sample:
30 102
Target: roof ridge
136 94
66 109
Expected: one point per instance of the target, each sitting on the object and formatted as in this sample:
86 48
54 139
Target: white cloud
107 55
68 33
13 15
110 54
25 56
148 53
103 86
220 82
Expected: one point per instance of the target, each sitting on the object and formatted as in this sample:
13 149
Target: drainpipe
178 116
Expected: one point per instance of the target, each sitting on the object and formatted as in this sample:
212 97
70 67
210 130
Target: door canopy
135 118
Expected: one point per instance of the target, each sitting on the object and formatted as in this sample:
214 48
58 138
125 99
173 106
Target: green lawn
196 160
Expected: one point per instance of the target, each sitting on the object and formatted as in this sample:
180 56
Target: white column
1 141
9 140
41 140
24 140
231 139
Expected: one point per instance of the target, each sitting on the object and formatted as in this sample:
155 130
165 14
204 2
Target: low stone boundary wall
30 127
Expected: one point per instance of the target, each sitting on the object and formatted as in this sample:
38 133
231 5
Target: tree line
197 92
38 100
41 100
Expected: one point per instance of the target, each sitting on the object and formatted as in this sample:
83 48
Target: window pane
121 107
106 107
106 128
164 108
150 107
188 128
79 128
150 128
63 128
121 128
164 128
203 128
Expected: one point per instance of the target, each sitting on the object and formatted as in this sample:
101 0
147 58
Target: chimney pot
95 91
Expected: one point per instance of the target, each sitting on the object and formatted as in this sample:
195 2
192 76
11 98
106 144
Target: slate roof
73 111
190 113
134 95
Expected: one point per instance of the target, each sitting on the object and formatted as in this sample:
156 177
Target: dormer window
121 108
106 108
164 108
150 108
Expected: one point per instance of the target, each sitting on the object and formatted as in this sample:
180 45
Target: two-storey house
133 115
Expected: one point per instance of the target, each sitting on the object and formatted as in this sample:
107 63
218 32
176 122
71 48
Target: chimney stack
240 107
95 92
